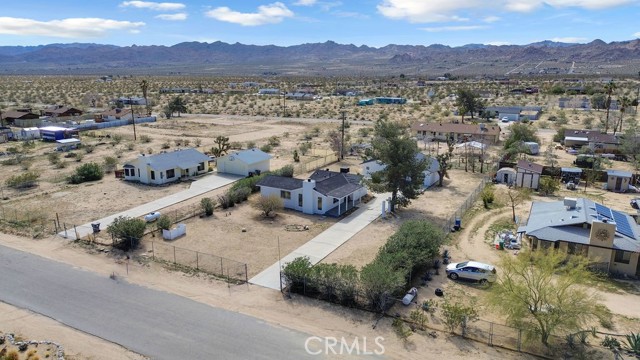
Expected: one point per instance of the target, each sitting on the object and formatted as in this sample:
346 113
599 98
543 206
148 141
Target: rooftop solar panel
603 211
622 224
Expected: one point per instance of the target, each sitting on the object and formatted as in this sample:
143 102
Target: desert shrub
269 204
79 157
296 156
89 148
286 171
70 155
87 172
178 142
144 138
23 181
208 204
110 164
186 142
11 355
242 194
61 164
274 141
266 148
198 142
488 195
128 230
149 151
166 144
53 158
456 314
296 272
249 183
236 145
225 200
116 139
131 146
305 147
251 144
164 222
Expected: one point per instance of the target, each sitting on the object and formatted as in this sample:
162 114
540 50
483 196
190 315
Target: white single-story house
430 174
67 144
618 180
610 239
506 176
166 167
324 192
116 114
528 174
244 162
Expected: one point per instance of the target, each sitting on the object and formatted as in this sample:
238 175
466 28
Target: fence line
32 222
230 270
469 201
315 164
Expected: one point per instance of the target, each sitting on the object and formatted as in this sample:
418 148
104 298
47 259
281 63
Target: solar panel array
622 224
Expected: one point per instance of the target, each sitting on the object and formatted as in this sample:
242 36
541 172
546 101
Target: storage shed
53 133
618 180
571 174
528 174
506 176
532 147
67 144
30 133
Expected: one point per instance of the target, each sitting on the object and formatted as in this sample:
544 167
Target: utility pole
133 117
344 115
638 95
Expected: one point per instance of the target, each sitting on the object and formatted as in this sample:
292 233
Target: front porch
344 205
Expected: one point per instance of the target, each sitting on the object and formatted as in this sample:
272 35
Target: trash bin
501 245
457 224
96 227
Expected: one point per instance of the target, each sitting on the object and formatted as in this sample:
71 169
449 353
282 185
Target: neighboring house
506 176
487 134
134 100
609 238
61 111
430 174
10 117
618 180
116 114
244 162
269 91
166 167
574 103
528 174
594 139
514 113
324 192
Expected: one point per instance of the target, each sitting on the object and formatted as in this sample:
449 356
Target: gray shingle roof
280 182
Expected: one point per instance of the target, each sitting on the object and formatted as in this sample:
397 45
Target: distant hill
328 58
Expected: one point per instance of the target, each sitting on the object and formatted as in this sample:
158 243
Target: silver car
472 270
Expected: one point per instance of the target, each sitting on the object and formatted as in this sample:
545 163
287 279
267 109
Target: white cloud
498 43
164 6
350 14
172 17
453 28
66 28
425 11
305 2
491 19
267 14
569 39
637 35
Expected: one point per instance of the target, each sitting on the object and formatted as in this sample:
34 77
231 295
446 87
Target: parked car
150 217
505 119
472 270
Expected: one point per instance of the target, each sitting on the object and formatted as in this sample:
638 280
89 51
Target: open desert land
251 120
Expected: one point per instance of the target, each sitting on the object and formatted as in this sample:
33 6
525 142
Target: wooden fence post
153 252
174 254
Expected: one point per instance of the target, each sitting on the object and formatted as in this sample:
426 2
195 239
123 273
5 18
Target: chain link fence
468 202
35 222
227 269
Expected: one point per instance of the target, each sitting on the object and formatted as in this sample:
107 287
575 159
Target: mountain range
328 58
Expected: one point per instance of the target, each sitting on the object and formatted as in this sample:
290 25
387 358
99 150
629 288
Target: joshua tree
610 87
144 86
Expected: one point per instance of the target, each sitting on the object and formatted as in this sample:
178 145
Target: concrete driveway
208 183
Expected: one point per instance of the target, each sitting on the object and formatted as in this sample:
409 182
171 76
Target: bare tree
269 204
516 197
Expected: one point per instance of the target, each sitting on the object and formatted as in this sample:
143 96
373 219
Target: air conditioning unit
570 202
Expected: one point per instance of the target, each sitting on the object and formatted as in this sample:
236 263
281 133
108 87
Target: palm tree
144 86
625 103
610 87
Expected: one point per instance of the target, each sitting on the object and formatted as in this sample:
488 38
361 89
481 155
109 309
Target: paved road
207 183
325 243
153 323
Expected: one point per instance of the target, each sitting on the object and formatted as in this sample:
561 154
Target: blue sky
361 22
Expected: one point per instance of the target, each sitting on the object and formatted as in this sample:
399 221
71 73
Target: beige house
485 133
594 139
609 238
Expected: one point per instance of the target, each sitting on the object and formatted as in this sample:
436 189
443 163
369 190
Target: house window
138 172
171 173
153 175
285 194
319 203
300 200
126 172
161 174
201 166
576 249
622 257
